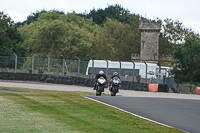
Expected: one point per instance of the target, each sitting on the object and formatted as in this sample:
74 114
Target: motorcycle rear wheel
98 93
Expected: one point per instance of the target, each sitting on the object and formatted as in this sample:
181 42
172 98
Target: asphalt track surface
180 111
183 114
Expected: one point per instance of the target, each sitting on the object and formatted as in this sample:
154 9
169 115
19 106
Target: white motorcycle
101 83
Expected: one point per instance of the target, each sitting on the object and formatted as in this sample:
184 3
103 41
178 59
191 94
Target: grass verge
42 111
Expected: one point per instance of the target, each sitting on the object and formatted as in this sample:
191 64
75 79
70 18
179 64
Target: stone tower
149 40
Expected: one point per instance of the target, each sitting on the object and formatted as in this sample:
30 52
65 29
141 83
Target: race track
180 111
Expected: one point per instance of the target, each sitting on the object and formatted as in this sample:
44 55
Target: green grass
41 111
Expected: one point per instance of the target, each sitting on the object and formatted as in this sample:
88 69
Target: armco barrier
153 88
163 88
198 90
69 80
158 88
20 76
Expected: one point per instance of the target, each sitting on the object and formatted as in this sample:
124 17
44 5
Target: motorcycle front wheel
98 92
113 91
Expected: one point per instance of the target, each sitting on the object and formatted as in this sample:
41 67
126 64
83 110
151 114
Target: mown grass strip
65 112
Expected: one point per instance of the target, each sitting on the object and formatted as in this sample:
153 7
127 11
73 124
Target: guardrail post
106 67
120 66
15 63
146 72
133 69
92 67
63 64
32 63
159 69
48 64
79 62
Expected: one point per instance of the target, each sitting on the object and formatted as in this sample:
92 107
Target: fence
62 67
42 65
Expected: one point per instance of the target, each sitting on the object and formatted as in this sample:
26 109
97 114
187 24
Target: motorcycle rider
115 74
100 74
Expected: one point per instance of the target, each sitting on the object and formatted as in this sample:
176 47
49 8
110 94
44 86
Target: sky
186 11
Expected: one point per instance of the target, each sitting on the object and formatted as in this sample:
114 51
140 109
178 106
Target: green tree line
111 33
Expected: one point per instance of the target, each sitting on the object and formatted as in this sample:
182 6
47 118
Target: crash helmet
101 72
115 74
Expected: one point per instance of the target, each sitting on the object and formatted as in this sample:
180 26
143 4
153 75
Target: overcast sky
186 11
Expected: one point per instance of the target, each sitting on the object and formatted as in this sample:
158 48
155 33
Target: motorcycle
101 83
115 86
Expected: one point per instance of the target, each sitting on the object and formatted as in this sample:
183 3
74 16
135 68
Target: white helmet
101 72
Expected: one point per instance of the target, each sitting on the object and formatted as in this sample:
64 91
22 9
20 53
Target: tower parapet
150 26
135 57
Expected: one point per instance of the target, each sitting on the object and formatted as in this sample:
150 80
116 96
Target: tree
135 32
10 38
115 41
98 16
58 34
165 47
172 33
34 17
175 31
31 18
187 67
114 12
119 13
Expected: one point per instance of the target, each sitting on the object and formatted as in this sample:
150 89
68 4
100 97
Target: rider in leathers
100 74
115 74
